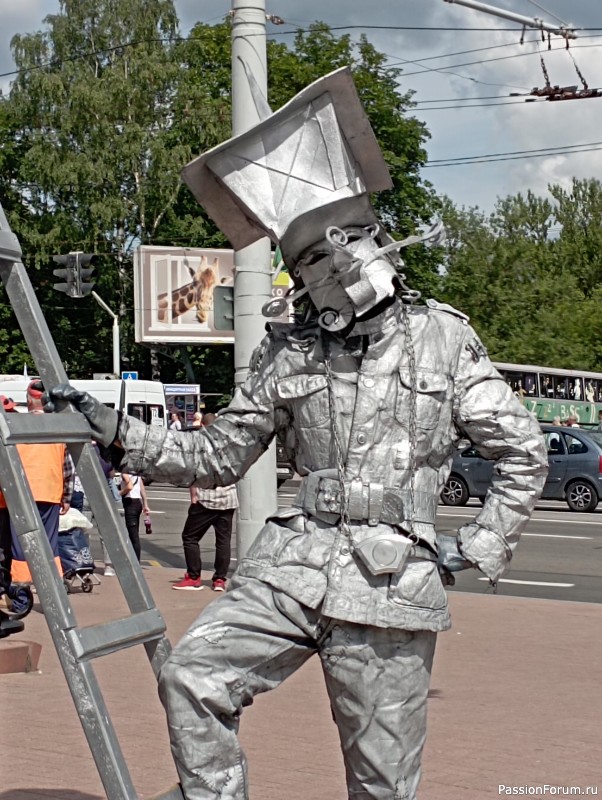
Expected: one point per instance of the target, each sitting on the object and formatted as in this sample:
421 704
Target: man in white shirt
208 507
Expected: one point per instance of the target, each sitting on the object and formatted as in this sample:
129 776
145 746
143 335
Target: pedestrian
8 404
197 419
175 424
78 501
208 508
133 496
50 473
370 391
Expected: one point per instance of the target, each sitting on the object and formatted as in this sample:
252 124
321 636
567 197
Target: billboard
173 293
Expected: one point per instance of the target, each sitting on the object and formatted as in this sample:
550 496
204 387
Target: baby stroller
18 601
75 554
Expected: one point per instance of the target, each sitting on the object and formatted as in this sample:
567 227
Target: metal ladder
76 646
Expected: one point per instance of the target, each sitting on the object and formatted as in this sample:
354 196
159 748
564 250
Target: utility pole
527 22
116 345
252 265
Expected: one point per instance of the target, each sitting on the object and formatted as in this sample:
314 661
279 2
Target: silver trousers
254 637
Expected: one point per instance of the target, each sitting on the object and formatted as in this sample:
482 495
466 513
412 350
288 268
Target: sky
466 106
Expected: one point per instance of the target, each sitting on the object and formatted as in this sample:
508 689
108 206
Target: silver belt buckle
385 552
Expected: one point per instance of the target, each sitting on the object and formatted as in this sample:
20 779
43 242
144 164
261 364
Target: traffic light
223 308
68 273
76 274
84 272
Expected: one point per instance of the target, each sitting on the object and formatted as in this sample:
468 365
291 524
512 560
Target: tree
109 104
529 276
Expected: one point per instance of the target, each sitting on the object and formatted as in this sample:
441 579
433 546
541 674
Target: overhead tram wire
497 58
511 158
519 152
523 102
91 53
543 152
478 50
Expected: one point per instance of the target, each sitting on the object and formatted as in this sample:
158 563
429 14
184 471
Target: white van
142 399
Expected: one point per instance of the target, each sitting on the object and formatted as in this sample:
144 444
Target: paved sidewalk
515 700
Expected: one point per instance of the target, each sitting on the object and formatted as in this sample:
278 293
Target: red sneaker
219 585
188 584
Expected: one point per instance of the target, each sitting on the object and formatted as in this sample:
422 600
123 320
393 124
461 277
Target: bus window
546 386
530 384
515 381
576 388
560 388
590 390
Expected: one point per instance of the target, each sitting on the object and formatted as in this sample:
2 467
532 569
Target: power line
175 39
514 156
440 29
498 58
526 101
458 99
518 152
466 52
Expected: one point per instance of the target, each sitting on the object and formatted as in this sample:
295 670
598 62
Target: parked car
575 470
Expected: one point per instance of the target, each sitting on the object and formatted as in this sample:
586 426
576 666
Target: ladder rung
100 640
45 428
175 793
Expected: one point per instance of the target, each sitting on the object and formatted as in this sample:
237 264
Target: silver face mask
346 275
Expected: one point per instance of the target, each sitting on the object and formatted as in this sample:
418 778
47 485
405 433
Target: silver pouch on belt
384 551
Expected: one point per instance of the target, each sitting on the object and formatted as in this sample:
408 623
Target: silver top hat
307 166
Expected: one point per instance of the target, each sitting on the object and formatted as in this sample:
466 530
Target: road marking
531 583
158 512
557 535
533 519
171 499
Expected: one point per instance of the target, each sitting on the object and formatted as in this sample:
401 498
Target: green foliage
530 275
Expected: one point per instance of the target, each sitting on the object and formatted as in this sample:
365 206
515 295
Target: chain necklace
345 522
405 317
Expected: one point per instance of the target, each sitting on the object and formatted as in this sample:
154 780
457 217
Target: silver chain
412 419
345 522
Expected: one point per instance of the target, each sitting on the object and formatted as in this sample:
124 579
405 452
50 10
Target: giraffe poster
174 292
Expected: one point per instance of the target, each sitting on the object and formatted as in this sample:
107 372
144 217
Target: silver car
575 470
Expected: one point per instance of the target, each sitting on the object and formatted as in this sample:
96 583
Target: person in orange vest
50 472
8 404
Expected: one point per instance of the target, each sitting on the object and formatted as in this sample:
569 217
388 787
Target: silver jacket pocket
384 551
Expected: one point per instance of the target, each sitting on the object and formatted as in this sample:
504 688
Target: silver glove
450 558
103 420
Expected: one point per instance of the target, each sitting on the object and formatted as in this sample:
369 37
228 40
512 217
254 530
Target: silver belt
369 502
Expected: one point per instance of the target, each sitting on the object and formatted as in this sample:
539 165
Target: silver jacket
457 394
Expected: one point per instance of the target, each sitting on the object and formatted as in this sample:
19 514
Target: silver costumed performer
369 392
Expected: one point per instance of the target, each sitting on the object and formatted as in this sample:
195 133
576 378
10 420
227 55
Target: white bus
142 399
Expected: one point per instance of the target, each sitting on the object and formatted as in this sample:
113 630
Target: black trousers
132 507
198 522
